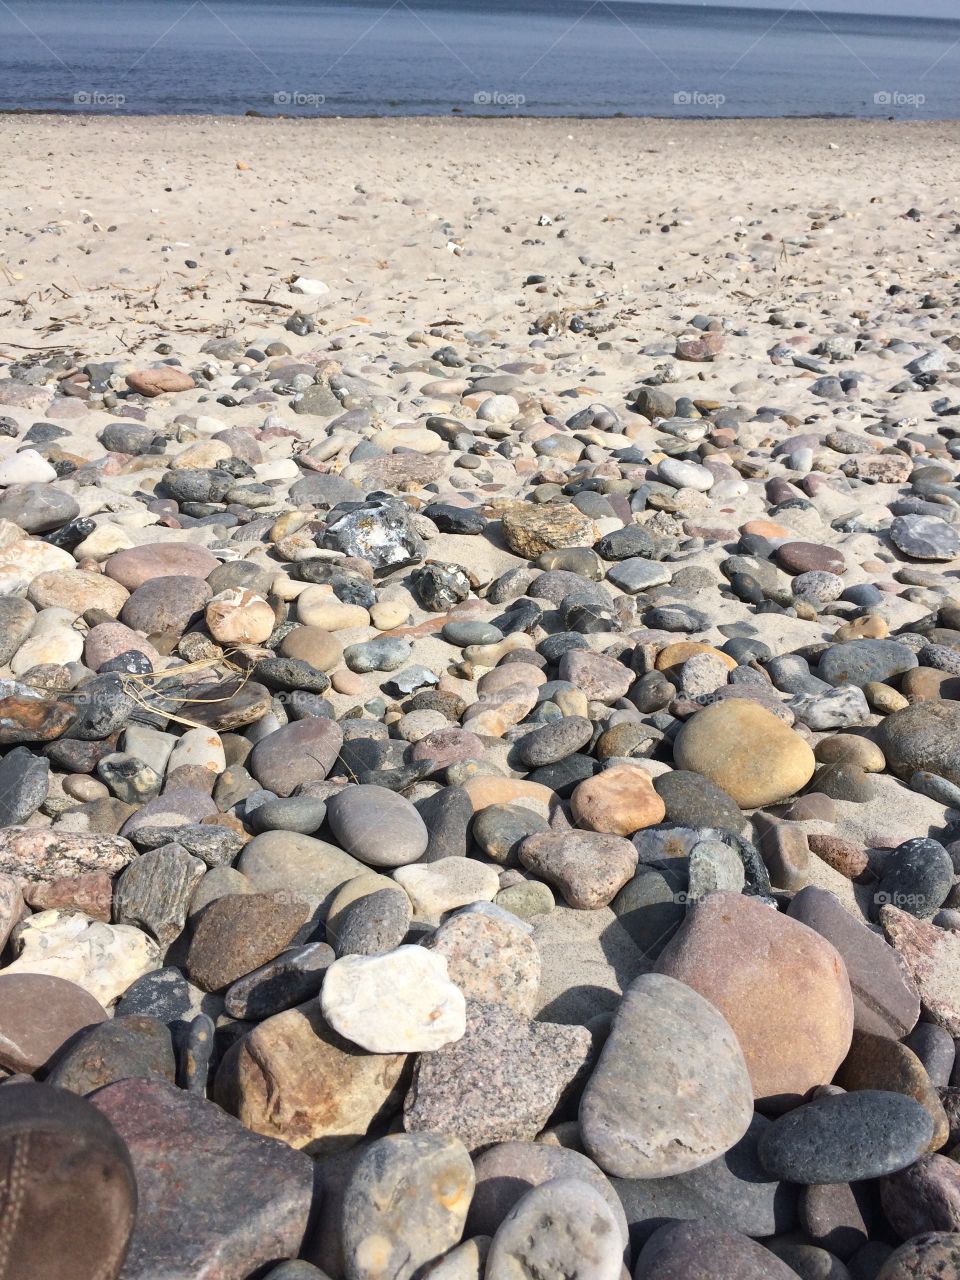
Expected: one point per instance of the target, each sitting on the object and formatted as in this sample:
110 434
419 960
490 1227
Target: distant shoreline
453 114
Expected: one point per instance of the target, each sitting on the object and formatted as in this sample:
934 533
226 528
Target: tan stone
530 528
237 616
618 801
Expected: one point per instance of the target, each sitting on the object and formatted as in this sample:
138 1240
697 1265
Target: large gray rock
154 892
562 1229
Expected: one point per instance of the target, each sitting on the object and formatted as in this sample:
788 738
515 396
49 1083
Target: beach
479 698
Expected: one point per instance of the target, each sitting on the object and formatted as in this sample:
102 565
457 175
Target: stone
43 854
885 998
399 1002
847 1138
286 862
160 380
877 1062
602 678
382 535
500 1082
924 737
562 1228
24 782
924 1197
861 662
925 537
932 959
405 1205
77 590
154 892
529 529
916 877
104 959
369 914
39 1014
293 1078
703 1251
589 868
490 957
238 933
237 616
297 753
933 1256
745 750
376 826
618 801
446 884
637 1117
168 604
290 978
691 800
133 567
214 1199
783 989
123 1048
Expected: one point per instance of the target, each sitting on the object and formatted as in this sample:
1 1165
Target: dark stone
24 781
916 877
293 977
694 801
126 1047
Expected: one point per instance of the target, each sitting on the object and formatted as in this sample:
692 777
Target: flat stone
154 891
405 1205
293 1078
783 989
304 751
104 959
529 528
442 886
214 1199
637 1119
589 868
282 983
399 1002
500 1082
923 736
137 565
42 854
39 1014
298 865
240 932
885 998
847 1138
860 662
602 678
618 801
925 537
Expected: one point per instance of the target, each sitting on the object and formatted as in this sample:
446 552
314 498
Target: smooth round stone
38 508
447 746
863 662
924 736
817 587
703 1251
294 813
500 828
782 987
637 1115
39 1015
847 1138
745 750
588 868
809 557
399 1002
294 976
133 567
638 574
369 914
691 800
916 877
166 604
560 1229
619 801
437 887
924 1197
386 653
296 753
377 826
405 1205
555 741
809 1261
686 475
240 932
130 1047
77 590
313 645
925 537
464 633
526 900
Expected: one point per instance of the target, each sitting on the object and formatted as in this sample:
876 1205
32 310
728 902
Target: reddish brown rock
157 382
240 932
932 958
843 855
137 565
589 868
618 801
782 987
923 1197
807 557
934 1256
705 347
33 720
43 853
39 1014
90 892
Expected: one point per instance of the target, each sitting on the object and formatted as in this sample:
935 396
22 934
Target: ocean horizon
433 57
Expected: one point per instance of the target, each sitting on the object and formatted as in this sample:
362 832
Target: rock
400 1002
885 998
369 915
160 380
745 750
104 959
290 978
286 862
377 826
924 737
925 537
588 868
637 1119
877 1062
618 801
783 989
702 1251
77 590
121 1049
924 1197
214 1200
932 959
562 1228
133 567
236 616
166 604
154 892
39 1014
24 782
442 886
42 854
860 662
847 1138
602 678
240 932
293 1078
304 751
382 535
490 957
529 529
916 877
500 1082
405 1205
933 1256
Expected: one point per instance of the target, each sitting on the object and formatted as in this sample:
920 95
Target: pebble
559 1228
377 826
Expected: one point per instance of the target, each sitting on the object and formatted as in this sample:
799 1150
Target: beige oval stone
77 590
237 616
618 801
